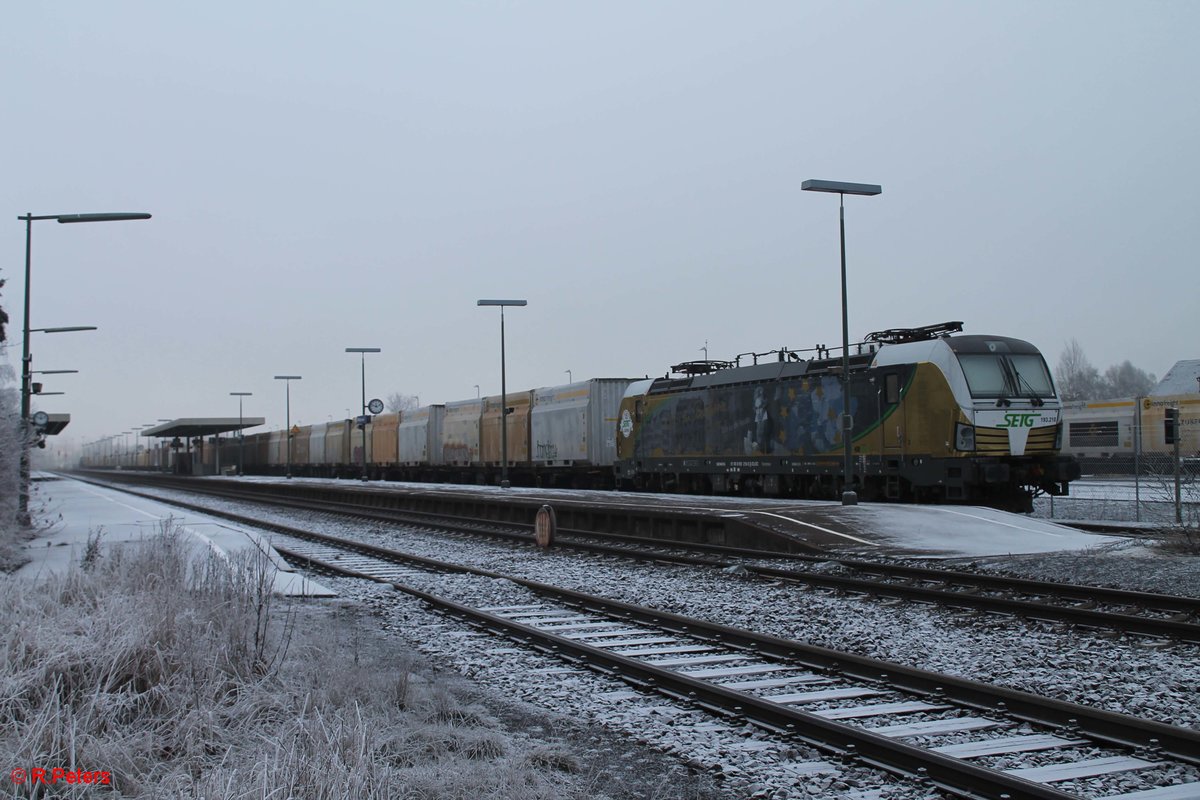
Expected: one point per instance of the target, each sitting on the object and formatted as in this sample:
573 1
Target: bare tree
1075 376
11 444
3 318
402 402
1126 380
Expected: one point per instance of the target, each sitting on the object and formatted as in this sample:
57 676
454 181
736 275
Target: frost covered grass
183 677
10 469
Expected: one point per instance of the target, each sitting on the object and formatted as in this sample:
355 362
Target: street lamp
67 329
288 430
841 189
150 457
241 433
164 451
503 388
569 378
34 385
28 389
137 432
362 351
26 362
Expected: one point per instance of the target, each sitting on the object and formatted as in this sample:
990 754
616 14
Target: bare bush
10 466
1182 540
181 675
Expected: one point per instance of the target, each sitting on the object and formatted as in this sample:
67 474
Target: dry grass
184 678
1180 540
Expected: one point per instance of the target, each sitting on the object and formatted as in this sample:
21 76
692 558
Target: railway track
1166 617
893 716
839 703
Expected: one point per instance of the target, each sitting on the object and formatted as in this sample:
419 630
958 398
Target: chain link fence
1154 497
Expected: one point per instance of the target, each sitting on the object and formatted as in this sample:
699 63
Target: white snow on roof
1180 379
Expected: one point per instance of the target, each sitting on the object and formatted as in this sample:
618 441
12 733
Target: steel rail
950 774
1172 628
1126 597
1106 726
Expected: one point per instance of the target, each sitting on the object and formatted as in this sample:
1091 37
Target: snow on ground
1119 674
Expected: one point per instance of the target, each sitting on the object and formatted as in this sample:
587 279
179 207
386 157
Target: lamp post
125 444
29 218
51 372
288 430
569 378
137 446
149 456
241 433
164 451
28 389
503 388
362 351
841 189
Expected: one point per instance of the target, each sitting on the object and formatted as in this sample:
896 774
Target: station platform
887 530
77 510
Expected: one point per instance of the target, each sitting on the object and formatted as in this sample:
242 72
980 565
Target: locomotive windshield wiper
1010 383
1033 395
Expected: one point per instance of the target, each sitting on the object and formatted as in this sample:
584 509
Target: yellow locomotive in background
1103 435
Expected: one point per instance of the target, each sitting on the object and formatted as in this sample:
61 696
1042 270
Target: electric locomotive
934 417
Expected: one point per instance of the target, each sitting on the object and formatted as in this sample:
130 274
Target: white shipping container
420 436
316 444
576 424
460 432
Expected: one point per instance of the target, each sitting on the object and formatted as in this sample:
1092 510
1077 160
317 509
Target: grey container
460 432
576 424
420 436
316 443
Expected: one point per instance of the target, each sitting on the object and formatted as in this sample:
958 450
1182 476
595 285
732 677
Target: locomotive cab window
1008 375
891 388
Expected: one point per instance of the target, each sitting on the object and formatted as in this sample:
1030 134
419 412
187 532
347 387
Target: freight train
1104 435
935 417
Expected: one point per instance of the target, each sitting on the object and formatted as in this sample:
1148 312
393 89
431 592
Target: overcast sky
338 175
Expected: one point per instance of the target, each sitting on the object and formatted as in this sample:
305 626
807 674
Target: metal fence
1154 497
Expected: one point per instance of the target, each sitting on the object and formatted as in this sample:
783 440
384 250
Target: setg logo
1018 420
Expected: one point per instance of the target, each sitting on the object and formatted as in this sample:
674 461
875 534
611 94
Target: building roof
1180 379
201 426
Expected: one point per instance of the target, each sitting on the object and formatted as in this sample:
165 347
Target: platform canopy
190 427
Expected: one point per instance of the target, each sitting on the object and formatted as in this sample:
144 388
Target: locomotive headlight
964 437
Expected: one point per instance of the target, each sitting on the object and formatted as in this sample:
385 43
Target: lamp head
841 187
